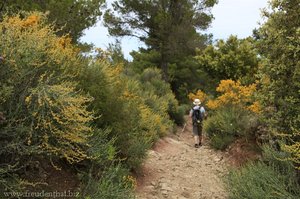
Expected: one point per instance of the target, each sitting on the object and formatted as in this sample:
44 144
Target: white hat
197 102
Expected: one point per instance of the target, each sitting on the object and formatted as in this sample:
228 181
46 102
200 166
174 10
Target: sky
232 17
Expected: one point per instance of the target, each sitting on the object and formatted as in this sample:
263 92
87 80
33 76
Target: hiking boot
196 146
200 144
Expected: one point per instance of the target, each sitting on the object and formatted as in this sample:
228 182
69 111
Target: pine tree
168 27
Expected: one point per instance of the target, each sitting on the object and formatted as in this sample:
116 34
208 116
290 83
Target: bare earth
175 169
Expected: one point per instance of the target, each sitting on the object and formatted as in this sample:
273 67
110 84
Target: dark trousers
197 129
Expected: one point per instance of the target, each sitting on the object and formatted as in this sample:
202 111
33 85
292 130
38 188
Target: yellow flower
213 104
31 20
64 41
255 107
198 95
233 92
27 99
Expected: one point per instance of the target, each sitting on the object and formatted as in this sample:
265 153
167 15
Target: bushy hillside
61 108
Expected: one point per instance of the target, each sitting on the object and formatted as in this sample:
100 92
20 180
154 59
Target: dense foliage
234 93
278 91
170 31
228 124
58 107
271 178
70 17
234 59
44 114
278 41
98 115
233 114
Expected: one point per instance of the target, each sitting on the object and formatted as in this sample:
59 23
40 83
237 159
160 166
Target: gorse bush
234 93
198 95
57 112
228 123
45 114
68 17
84 112
234 114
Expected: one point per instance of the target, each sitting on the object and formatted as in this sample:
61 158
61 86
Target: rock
150 187
188 165
165 187
186 194
218 159
165 193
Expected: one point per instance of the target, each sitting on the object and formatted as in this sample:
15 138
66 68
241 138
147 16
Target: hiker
197 114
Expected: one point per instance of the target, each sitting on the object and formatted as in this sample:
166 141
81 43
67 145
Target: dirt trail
175 169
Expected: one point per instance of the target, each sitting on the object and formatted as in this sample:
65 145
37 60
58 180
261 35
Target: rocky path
175 169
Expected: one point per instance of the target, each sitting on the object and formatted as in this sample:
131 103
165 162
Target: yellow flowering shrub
59 113
213 104
152 122
198 95
255 107
38 45
40 70
232 92
31 20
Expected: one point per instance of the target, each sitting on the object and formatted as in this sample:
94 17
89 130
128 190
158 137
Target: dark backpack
197 116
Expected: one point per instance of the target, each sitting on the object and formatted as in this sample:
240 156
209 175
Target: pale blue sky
237 17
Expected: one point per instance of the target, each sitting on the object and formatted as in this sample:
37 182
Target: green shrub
158 95
271 178
258 181
227 123
221 142
178 115
279 161
114 183
135 110
138 151
102 150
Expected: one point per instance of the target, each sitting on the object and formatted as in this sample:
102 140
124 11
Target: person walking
197 114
